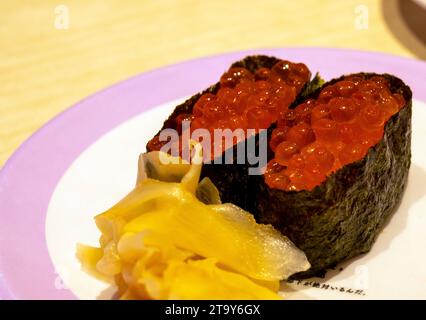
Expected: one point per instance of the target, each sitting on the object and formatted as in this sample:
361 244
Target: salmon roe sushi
245 100
322 135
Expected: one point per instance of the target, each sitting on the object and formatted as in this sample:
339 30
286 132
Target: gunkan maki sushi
252 93
338 153
339 168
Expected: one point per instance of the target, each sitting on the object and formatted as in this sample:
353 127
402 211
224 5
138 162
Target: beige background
44 70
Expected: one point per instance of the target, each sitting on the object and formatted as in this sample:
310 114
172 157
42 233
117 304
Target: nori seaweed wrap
341 217
232 179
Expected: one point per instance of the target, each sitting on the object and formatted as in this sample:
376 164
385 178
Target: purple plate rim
35 277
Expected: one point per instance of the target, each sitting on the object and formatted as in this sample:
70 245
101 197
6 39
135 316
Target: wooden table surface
45 68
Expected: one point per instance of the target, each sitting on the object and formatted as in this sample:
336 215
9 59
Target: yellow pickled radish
162 242
201 279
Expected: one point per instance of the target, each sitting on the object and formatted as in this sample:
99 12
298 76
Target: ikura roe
251 101
320 136
246 100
